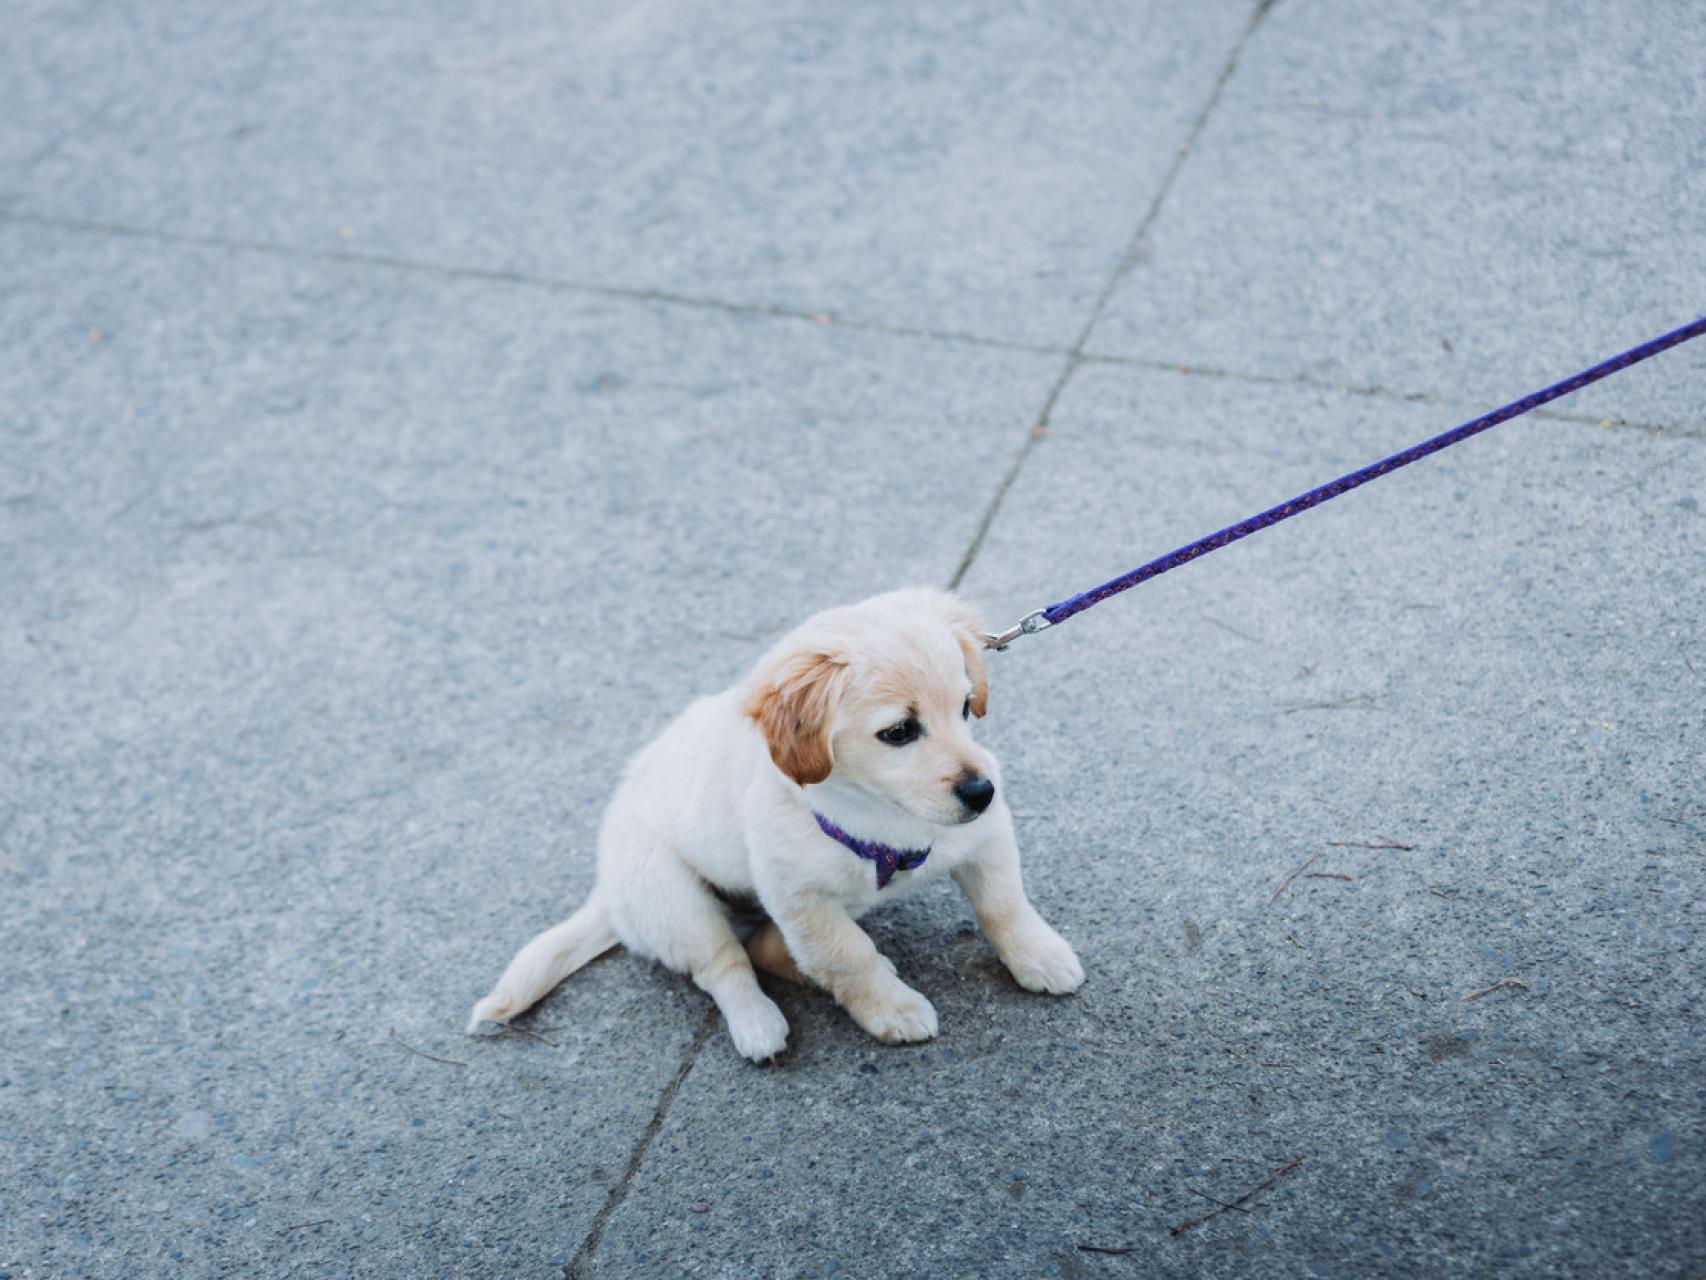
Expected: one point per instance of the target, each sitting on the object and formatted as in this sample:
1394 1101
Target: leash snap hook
1030 624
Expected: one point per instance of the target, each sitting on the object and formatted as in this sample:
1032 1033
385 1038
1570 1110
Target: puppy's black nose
975 792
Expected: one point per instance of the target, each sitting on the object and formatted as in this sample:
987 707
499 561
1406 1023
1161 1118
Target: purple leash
1041 619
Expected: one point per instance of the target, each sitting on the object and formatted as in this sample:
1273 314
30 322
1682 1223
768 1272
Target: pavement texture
404 409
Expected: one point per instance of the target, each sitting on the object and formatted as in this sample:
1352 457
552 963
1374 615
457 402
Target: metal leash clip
1030 624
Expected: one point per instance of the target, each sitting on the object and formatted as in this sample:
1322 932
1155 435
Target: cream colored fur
724 797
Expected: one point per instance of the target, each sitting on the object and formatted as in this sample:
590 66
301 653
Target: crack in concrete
577 1268
500 275
1656 430
1128 259
1074 355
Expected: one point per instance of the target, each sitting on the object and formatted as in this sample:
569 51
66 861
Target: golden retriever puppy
841 774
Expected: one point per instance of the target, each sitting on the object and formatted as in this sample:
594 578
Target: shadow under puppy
839 775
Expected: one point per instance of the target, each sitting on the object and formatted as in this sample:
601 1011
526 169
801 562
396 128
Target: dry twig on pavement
1290 878
1222 1203
449 1062
1254 1191
1487 991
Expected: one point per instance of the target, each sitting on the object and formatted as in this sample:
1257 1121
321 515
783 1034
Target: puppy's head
880 696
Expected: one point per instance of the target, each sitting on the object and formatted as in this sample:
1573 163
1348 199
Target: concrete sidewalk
404 409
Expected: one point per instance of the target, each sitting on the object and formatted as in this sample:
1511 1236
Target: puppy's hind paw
759 1033
1048 965
497 1007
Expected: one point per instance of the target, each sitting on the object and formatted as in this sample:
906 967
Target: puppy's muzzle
975 792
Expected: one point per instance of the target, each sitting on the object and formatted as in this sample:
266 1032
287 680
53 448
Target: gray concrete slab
960 167
1462 200
339 573
1493 660
334 600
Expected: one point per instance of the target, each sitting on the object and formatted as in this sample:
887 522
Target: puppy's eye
898 735
965 711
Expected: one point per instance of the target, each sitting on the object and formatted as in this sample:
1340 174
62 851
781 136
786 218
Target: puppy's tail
546 961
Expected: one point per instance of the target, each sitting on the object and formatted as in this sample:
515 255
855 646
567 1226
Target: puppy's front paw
895 1014
1045 962
759 1032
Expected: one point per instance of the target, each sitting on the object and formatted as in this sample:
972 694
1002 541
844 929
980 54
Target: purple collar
888 859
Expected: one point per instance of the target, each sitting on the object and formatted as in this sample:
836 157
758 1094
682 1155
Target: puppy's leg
768 950
836 953
672 917
721 969
1038 958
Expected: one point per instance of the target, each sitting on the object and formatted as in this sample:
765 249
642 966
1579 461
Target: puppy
840 775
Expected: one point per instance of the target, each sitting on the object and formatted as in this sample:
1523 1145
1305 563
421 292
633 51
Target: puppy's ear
971 644
968 630
794 705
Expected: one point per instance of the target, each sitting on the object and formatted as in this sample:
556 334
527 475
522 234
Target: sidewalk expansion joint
1457 404
501 275
1075 354
577 1268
